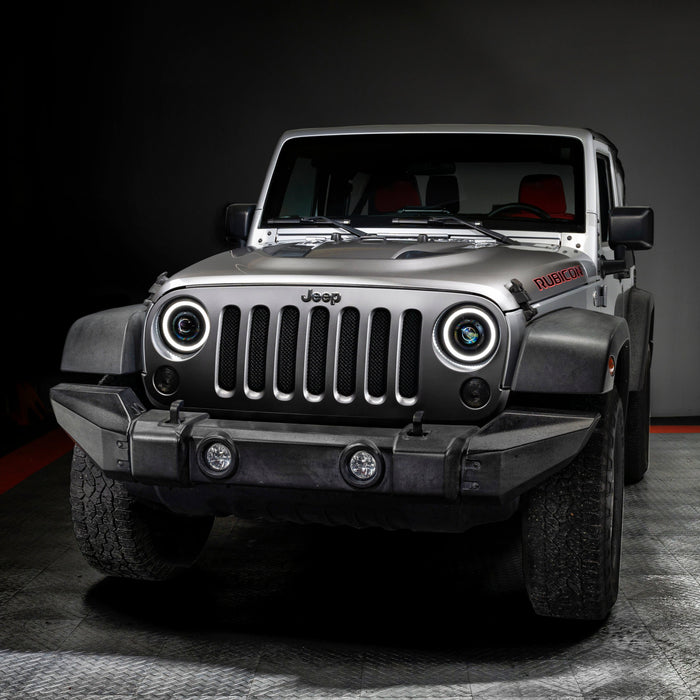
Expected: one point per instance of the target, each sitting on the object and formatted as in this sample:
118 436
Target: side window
604 195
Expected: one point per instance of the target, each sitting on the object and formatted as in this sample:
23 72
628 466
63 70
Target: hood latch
523 298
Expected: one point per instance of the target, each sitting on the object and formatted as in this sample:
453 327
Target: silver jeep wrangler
421 327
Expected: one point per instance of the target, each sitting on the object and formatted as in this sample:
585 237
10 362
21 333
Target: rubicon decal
560 277
332 298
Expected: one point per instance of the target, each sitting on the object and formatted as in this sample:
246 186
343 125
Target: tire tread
116 534
570 570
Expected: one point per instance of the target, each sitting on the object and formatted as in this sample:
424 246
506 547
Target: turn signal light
475 392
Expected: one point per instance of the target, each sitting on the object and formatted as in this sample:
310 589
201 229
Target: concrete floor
277 611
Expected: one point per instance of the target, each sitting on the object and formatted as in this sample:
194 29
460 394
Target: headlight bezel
447 347
167 315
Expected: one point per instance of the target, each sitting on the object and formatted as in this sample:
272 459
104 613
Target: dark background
131 127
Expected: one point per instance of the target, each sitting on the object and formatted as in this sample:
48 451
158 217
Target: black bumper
482 470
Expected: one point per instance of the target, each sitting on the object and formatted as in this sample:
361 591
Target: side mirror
631 227
237 221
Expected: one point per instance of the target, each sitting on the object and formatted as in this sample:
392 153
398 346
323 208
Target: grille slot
347 352
409 356
257 347
317 351
228 347
287 349
378 353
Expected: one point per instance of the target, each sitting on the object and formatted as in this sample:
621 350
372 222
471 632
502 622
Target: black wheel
637 432
121 536
572 526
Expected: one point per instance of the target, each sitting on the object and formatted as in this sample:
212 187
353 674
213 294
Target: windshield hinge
600 295
523 298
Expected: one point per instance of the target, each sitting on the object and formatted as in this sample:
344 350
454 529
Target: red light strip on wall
24 461
674 429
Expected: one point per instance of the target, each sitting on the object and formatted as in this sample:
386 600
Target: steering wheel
523 207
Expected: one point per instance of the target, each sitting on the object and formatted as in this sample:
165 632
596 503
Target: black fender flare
106 342
638 310
567 352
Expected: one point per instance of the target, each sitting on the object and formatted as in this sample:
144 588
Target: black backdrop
131 127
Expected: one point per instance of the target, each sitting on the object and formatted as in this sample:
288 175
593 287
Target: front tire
121 536
572 526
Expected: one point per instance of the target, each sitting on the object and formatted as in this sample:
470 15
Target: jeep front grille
305 349
327 355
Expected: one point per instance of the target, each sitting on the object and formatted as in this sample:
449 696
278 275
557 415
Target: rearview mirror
237 221
631 227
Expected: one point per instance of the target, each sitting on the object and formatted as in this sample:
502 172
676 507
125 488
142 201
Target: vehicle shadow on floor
348 586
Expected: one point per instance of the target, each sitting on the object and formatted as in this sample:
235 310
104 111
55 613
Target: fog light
166 380
361 464
475 392
217 457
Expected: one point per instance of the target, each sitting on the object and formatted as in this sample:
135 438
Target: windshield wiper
451 219
474 226
317 221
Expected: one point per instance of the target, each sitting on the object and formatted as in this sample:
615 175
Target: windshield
378 180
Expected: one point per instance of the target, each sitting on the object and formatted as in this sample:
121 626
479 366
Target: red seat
545 192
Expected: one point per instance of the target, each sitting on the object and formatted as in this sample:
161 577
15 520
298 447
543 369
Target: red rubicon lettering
558 277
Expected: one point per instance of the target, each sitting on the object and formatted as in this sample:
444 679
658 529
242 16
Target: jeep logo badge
333 298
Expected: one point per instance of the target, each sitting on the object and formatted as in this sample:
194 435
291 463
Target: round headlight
468 334
184 325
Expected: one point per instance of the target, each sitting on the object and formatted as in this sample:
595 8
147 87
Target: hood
460 266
